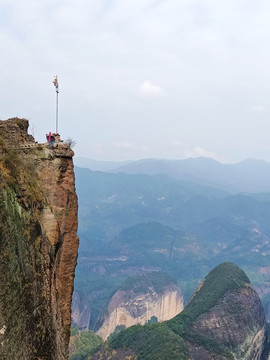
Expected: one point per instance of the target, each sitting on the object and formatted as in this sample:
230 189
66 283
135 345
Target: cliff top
15 131
14 134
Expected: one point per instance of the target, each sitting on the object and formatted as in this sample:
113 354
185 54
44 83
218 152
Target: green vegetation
16 170
154 341
20 288
267 343
117 330
13 261
226 277
134 223
22 308
153 320
141 284
97 289
86 343
74 331
266 305
158 341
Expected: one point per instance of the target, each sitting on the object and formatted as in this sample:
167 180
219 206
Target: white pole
56 112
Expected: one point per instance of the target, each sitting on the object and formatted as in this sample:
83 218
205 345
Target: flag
55 83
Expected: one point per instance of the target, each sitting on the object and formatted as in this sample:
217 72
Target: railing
25 146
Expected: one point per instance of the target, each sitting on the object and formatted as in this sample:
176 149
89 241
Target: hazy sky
141 78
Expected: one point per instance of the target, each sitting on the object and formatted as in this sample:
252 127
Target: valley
134 224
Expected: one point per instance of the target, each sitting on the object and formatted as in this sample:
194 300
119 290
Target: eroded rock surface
223 320
236 322
38 210
127 308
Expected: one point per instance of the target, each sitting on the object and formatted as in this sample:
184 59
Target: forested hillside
131 224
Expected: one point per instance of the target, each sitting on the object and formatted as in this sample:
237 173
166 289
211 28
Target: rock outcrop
226 317
38 250
224 320
81 311
237 322
128 308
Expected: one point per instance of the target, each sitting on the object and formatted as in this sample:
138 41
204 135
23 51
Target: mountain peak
224 320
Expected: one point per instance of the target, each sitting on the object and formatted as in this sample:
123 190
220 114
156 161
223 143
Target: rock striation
81 311
223 320
225 317
39 244
236 323
127 308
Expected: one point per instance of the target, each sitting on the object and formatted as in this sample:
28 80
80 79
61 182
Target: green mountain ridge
177 338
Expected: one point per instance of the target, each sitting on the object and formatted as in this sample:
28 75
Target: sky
141 79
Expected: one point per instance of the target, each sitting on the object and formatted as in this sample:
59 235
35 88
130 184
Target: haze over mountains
146 240
246 176
154 220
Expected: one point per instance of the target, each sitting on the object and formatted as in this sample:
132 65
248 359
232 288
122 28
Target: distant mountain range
250 175
97 165
136 223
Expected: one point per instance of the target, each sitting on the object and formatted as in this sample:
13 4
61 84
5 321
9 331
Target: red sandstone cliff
38 229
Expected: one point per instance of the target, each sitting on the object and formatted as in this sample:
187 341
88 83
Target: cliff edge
39 245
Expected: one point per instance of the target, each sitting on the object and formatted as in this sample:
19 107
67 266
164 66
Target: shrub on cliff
86 343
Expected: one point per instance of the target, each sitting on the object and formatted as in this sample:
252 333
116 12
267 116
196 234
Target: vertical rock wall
38 249
127 308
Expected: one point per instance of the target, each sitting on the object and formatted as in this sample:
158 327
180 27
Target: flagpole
55 83
56 112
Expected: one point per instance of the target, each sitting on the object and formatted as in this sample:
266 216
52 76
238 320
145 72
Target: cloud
194 56
149 90
183 150
257 108
199 151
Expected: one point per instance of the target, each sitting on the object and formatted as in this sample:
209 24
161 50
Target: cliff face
223 320
236 322
38 251
127 308
226 317
81 311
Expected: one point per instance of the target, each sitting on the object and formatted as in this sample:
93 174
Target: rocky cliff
81 311
225 316
223 320
127 308
38 249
